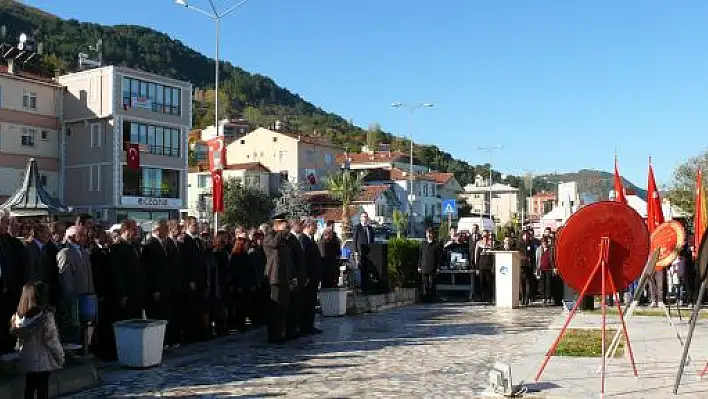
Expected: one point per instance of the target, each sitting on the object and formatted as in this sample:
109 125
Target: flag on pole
700 216
619 188
655 215
217 191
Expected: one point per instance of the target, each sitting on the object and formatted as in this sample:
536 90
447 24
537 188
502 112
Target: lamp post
489 151
217 17
411 108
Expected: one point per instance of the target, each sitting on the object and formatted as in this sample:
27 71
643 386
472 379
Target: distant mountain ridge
595 183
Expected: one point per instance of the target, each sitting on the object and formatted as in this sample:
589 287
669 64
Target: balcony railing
169 151
151 192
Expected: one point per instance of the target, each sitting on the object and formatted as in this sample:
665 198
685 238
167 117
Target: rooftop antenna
85 62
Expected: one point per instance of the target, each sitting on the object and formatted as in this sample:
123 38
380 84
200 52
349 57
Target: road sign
449 207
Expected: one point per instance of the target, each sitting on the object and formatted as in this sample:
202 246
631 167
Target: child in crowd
38 339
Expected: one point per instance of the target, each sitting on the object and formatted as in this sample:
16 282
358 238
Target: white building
567 202
199 187
504 199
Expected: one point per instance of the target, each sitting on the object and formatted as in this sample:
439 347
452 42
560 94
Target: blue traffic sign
449 207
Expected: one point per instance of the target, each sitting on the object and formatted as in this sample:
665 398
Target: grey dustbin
139 342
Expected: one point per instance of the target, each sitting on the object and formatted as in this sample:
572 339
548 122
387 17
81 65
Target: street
440 350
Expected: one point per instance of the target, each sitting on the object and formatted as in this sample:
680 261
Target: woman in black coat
243 282
220 280
331 252
257 309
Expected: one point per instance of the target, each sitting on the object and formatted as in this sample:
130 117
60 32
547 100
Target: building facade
504 203
31 110
199 185
296 158
105 110
539 204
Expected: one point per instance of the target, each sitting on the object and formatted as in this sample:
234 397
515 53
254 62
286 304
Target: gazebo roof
31 199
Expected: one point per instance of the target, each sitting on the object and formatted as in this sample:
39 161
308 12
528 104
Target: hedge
403 262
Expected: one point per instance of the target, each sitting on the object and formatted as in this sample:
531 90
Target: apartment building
105 110
504 202
298 158
30 123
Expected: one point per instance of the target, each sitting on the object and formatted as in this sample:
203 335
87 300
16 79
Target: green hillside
253 96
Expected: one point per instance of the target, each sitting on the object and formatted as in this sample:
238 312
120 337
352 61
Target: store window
152 96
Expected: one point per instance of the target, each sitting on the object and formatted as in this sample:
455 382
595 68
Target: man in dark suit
431 257
363 238
299 272
195 273
157 275
279 271
13 264
178 282
42 260
128 275
313 266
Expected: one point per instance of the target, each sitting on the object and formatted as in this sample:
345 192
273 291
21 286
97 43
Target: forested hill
258 98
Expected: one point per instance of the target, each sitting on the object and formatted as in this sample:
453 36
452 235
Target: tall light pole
489 151
411 108
217 17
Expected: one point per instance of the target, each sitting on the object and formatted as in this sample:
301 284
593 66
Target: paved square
440 350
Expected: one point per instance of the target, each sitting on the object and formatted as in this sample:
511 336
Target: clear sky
560 84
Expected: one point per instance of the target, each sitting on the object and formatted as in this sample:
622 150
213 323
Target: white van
484 223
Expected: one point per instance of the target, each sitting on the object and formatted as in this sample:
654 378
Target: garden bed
586 343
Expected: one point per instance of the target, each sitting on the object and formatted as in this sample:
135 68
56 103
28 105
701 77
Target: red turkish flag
655 215
619 188
217 190
217 153
134 156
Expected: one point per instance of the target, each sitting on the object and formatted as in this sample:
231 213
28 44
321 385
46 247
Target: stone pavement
657 352
439 350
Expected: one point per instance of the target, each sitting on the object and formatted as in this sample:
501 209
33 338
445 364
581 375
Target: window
95 135
275 139
283 176
157 140
310 155
203 181
282 155
154 96
28 136
44 135
95 178
29 100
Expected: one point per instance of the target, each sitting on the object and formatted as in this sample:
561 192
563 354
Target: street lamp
217 17
411 108
489 151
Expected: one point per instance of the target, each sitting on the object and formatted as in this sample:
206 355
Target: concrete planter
140 342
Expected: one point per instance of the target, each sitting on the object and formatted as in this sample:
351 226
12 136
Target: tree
400 221
293 201
204 111
345 186
682 191
373 136
245 206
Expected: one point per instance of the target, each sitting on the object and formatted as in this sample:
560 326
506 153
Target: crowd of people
205 285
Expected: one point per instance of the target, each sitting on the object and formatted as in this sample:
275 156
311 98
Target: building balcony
154 149
152 192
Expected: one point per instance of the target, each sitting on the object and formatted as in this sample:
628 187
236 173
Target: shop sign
149 202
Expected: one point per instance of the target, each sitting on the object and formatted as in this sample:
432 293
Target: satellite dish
23 38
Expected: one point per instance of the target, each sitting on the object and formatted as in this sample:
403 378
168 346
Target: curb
61 382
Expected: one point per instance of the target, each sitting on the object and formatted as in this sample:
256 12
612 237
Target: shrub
403 262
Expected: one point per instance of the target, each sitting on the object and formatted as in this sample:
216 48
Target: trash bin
139 342
333 301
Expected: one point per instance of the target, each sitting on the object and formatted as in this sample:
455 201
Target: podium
507 276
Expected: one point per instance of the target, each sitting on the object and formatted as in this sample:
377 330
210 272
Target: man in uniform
299 273
279 272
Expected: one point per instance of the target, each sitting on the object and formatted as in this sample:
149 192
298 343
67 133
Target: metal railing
166 150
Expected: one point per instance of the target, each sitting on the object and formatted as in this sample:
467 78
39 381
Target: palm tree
345 187
400 220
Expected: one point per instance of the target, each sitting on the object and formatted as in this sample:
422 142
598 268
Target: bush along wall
403 262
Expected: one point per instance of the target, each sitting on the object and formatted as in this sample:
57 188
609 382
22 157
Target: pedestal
507 268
